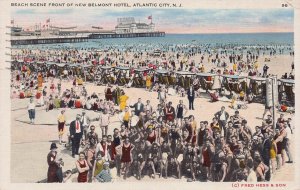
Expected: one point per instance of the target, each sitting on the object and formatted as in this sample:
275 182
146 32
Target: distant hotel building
128 25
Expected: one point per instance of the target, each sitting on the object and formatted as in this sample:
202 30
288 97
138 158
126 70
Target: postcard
149 94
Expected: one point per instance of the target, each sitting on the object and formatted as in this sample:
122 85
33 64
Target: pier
126 27
127 35
33 40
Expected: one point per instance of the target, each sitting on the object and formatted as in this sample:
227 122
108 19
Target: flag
48 20
12 21
150 17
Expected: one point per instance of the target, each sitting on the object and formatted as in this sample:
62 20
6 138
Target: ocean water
171 40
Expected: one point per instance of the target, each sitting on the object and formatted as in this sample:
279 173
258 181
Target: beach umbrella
288 81
60 64
122 68
234 76
161 71
205 74
184 73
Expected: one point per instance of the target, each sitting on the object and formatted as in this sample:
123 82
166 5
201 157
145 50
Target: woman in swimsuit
126 158
206 160
181 110
162 130
82 168
151 138
98 165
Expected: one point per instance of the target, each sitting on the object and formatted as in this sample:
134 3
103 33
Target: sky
168 20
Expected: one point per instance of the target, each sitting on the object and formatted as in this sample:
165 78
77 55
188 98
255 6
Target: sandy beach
149 95
30 143
279 64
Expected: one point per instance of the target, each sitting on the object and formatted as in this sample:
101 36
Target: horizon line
233 33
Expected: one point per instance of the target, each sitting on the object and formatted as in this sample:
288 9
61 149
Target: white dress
162 95
216 82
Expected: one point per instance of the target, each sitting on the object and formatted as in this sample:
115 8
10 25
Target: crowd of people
217 60
160 140
164 141
233 58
